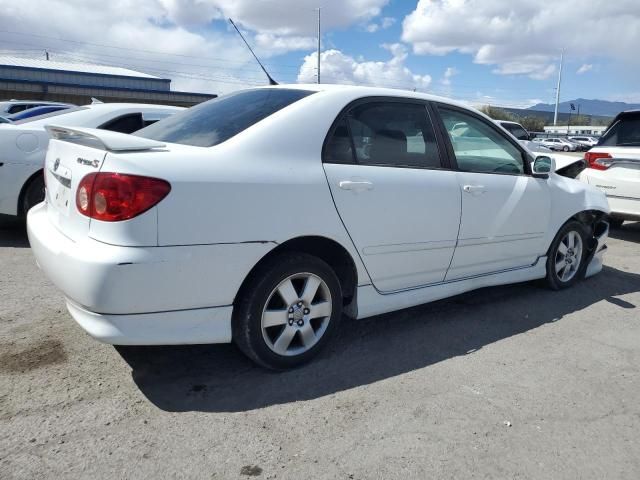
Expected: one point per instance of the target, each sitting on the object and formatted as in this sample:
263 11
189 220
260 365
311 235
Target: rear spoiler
102 139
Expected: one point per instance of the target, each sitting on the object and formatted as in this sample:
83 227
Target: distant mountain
588 107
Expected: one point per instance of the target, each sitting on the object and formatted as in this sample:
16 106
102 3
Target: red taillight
112 197
598 160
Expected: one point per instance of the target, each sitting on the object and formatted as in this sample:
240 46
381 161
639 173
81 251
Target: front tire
615 222
287 311
565 149
566 261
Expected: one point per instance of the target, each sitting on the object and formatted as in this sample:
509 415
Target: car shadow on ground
629 232
219 378
13 232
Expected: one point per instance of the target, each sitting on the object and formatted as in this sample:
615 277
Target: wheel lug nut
291 322
300 323
299 304
291 310
306 311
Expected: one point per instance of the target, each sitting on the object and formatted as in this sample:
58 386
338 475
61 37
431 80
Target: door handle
356 186
474 189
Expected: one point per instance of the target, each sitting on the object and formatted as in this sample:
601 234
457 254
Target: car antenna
271 80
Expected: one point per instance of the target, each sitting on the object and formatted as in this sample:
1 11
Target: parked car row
262 216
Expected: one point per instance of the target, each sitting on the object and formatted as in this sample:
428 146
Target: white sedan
23 145
264 215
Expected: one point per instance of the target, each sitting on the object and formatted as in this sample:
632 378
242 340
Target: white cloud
584 68
448 74
387 22
275 45
337 67
524 38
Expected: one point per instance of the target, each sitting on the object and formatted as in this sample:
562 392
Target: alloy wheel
296 314
568 256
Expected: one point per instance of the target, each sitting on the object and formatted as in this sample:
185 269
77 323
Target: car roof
363 91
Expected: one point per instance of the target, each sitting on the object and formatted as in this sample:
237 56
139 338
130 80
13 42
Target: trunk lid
73 153
65 165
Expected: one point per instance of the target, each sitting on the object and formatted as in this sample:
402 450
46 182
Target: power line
155 52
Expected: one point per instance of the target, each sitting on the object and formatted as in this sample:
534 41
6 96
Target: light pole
318 44
555 113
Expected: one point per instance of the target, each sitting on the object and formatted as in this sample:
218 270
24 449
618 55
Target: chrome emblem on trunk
56 164
89 163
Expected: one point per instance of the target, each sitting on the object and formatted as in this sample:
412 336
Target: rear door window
217 120
385 133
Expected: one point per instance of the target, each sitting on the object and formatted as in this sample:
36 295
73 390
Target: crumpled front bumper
600 236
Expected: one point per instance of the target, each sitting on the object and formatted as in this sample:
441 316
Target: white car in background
614 167
264 215
559 144
11 107
23 145
587 142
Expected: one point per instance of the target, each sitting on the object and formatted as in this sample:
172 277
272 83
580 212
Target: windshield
217 120
624 132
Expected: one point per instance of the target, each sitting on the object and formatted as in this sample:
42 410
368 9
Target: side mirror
543 166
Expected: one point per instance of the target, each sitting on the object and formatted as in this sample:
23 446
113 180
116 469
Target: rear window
217 120
624 132
516 130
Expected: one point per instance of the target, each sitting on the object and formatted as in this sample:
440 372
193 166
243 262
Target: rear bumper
111 290
624 207
203 325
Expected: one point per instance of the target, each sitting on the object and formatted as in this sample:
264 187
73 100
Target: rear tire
565 149
287 311
566 261
33 194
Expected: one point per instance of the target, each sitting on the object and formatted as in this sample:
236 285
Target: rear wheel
566 260
287 311
33 194
565 149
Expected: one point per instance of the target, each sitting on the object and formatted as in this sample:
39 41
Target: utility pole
46 54
555 113
318 44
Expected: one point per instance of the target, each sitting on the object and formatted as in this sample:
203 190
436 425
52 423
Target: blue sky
480 51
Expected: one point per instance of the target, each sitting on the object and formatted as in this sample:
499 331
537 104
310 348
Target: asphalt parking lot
507 382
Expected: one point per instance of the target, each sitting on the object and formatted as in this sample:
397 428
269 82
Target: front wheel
33 194
615 222
566 262
565 149
287 311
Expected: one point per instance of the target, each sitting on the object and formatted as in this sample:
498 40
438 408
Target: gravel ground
508 382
